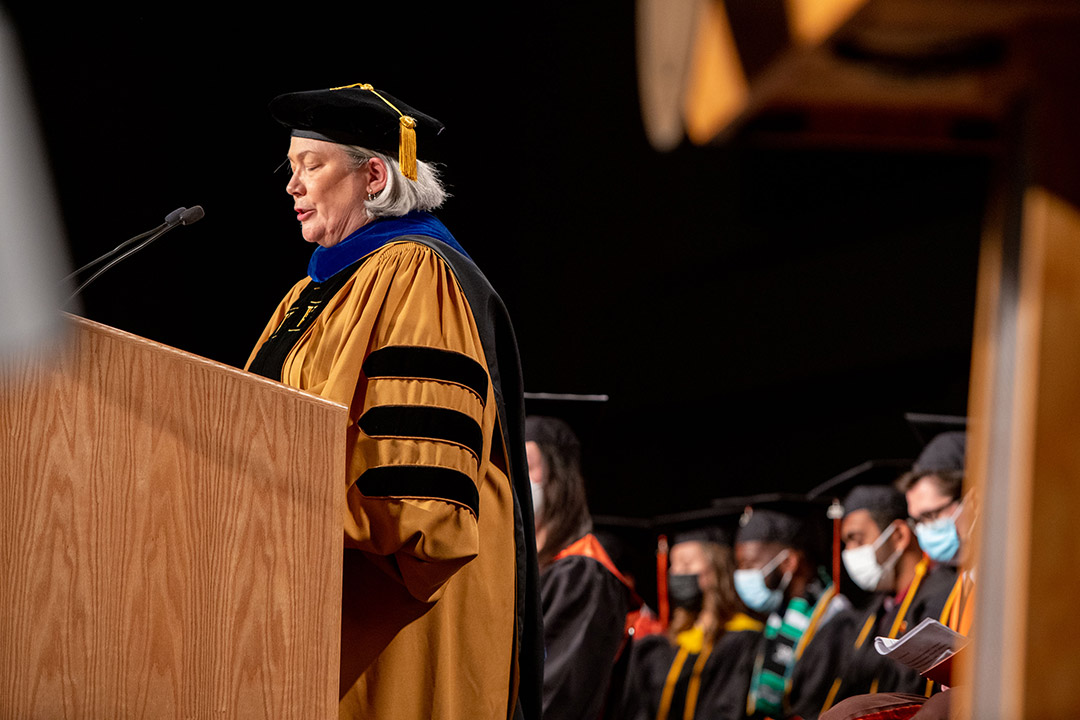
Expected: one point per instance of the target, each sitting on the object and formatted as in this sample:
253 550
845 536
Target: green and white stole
776 660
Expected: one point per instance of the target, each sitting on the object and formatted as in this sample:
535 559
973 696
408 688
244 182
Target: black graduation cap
360 115
712 523
794 519
870 485
882 471
927 426
709 532
587 418
883 501
788 516
945 452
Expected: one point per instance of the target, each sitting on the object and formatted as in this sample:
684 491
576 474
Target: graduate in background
700 666
944 524
778 576
584 597
882 556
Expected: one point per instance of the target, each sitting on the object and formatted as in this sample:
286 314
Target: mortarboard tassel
407 139
407 147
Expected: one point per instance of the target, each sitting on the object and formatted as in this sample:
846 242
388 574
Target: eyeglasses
931 515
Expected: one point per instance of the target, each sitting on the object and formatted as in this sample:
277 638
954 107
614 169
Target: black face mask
684 592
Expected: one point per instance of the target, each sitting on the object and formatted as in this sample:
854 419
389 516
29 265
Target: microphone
191 215
179 216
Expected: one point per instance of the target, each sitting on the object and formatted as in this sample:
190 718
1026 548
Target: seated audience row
758 628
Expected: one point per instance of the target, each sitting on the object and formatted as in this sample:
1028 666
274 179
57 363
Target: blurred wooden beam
935 75
1025 403
665 36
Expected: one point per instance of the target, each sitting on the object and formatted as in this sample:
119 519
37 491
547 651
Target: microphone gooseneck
179 216
171 219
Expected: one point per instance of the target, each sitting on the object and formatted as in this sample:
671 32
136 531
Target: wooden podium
170 537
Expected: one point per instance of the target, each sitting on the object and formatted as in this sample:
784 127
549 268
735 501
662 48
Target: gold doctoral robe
429 611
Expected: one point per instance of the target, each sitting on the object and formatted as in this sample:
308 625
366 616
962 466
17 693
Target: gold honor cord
815 618
950 616
920 571
407 136
669 684
694 687
901 617
947 619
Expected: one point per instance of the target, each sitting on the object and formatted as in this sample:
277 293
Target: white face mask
537 500
864 569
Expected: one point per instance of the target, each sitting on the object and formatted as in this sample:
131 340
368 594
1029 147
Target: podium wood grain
170 538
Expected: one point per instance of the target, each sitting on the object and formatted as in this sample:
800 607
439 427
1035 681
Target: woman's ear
377 174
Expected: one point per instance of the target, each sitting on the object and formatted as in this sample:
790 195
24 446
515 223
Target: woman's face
328 192
691 558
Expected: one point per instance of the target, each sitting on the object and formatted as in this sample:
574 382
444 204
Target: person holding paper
883 557
945 519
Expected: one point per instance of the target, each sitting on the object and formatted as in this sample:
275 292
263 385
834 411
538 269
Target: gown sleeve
423 415
398 344
584 618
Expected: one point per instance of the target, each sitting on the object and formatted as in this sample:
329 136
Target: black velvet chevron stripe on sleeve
423 421
412 361
423 481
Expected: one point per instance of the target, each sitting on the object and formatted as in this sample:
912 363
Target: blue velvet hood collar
328 261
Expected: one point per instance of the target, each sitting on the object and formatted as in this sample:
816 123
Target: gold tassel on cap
407 133
407 147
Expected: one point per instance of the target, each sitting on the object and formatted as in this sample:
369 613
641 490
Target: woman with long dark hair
584 596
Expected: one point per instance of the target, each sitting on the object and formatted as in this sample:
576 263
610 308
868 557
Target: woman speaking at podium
439 610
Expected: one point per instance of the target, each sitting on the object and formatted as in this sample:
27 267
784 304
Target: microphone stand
180 216
170 219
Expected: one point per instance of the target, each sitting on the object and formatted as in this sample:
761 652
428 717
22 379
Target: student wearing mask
699 666
934 492
778 576
882 557
944 519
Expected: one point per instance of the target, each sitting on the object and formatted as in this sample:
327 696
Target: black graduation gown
584 607
822 660
832 654
725 678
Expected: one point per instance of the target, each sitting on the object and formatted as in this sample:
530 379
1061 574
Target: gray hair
401 195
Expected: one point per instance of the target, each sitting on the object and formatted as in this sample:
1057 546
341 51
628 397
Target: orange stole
588 546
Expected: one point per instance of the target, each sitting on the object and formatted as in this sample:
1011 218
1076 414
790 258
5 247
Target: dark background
760 317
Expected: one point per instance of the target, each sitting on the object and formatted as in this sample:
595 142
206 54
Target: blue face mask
939 539
751 587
